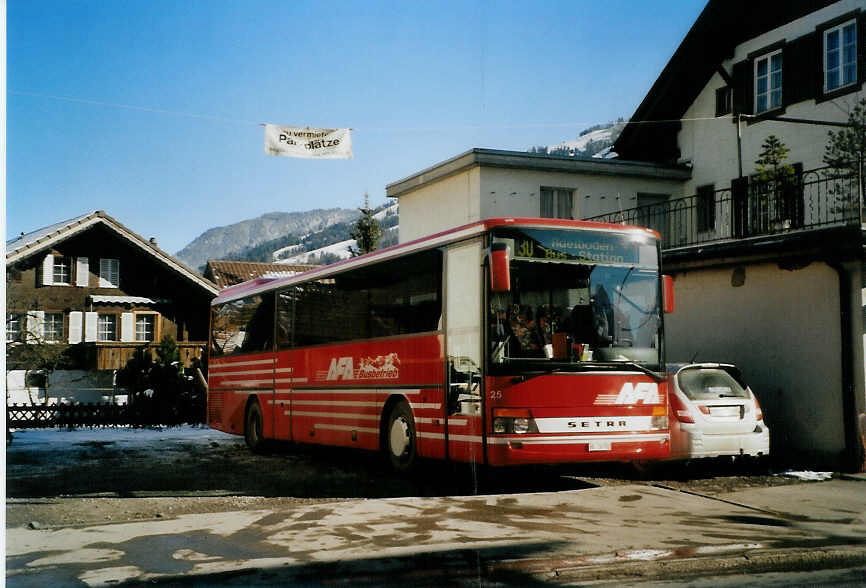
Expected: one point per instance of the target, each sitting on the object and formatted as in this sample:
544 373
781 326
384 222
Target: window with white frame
557 203
840 56
145 325
106 327
13 326
768 82
109 273
52 327
61 270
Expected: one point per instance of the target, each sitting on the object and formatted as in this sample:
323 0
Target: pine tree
844 153
367 231
847 148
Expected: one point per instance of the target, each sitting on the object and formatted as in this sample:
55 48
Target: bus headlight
520 425
513 420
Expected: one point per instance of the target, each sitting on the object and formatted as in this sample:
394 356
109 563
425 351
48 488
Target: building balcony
113 356
797 205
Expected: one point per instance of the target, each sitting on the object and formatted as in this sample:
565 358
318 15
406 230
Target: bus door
463 312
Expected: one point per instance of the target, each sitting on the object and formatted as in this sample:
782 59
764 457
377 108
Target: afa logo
369 368
341 368
640 393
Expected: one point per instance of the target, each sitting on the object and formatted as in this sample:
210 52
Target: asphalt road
192 506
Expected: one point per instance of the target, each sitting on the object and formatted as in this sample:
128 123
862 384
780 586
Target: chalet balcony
801 203
113 356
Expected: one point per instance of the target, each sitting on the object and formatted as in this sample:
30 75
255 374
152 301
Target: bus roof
259 285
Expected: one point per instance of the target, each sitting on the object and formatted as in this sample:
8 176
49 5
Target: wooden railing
113 356
806 201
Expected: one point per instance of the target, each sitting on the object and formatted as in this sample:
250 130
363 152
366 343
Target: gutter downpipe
853 416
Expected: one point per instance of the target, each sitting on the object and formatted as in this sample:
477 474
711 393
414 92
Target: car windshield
577 312
700 383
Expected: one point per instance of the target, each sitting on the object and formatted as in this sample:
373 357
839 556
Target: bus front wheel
400 438
253 427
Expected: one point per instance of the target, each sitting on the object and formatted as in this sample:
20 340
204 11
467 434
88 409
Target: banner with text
308 143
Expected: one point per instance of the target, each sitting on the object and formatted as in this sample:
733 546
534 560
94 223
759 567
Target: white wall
65 386
444 204
489 192
711 145
783 329
515 192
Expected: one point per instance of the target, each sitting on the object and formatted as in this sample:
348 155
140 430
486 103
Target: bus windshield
578 299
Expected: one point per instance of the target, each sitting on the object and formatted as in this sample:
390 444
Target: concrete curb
752 562
461 568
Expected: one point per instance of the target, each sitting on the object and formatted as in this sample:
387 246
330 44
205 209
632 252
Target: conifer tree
367 231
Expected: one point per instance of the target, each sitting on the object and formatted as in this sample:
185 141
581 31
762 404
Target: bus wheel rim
399 437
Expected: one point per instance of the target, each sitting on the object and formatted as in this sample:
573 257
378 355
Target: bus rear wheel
400 438
253 427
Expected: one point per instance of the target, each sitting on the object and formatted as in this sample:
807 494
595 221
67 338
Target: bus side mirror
668 289
500 272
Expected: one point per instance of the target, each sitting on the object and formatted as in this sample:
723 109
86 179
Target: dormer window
840 56
768 82
109 273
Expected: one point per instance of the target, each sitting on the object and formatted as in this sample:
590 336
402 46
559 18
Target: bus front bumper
538 449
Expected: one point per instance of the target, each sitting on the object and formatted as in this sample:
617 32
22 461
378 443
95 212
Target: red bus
502 342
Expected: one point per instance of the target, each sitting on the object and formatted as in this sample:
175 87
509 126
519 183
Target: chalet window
106 327
724 103
109 273
52 327
557 203
840 56
13 327
145 327
61 272
706 208
768 82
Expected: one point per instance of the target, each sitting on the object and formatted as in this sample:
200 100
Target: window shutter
48 270
82 271
91 320
75 320
801 70
744 97
127 327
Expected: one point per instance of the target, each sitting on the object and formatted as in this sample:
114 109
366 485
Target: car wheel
253 427
400 438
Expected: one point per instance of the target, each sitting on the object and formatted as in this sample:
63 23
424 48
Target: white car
714 413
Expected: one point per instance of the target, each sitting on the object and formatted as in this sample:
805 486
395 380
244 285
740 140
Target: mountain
334 243
232 241
595 141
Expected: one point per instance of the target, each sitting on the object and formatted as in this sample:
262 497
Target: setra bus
503 342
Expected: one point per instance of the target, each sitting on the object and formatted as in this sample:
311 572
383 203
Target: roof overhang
23 247
534 162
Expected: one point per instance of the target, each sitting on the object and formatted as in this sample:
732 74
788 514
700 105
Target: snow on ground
340 249
581 142
121 437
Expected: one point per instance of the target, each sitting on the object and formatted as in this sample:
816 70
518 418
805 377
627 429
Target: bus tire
400 438
253 427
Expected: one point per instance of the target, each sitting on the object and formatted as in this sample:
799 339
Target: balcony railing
803 201
113 356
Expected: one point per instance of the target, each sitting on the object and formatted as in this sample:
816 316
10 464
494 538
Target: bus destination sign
602 248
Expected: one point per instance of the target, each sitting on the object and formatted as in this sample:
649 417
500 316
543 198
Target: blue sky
149 109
